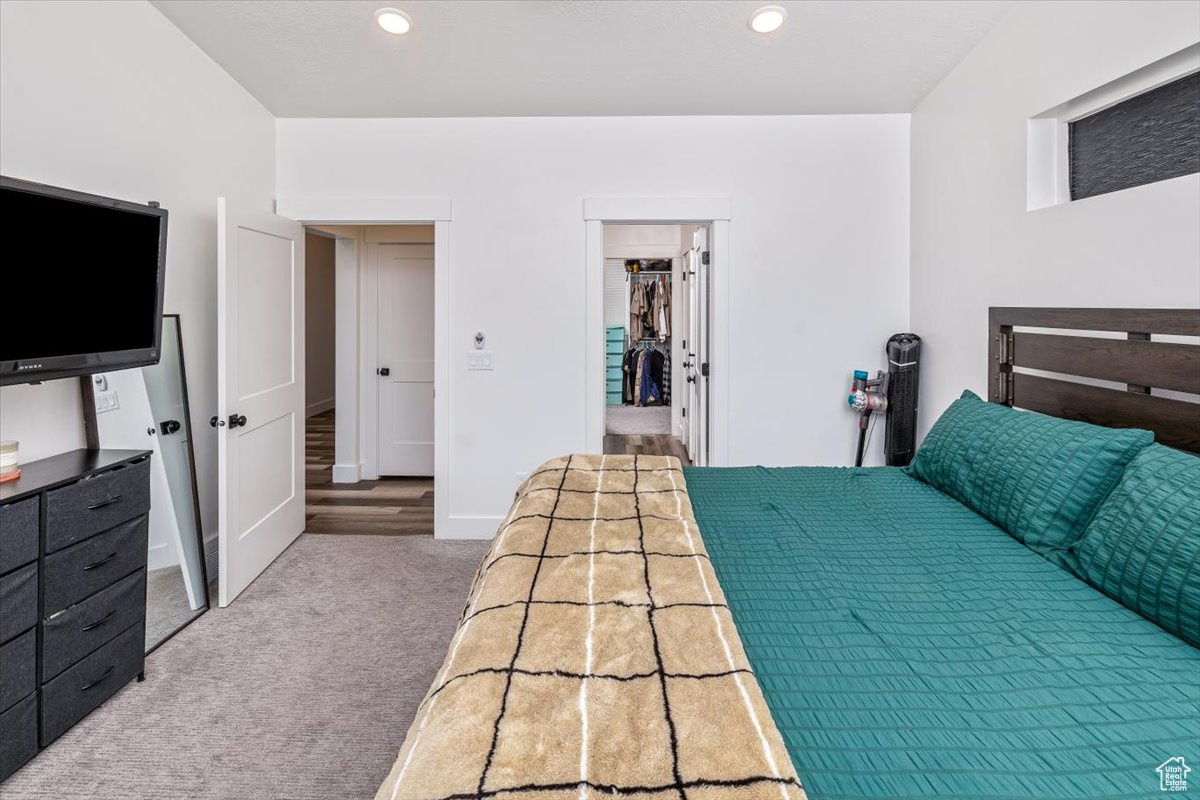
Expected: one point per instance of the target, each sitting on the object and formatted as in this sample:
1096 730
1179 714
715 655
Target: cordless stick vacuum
895 393
867 396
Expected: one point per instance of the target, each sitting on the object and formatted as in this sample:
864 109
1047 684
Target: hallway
385 507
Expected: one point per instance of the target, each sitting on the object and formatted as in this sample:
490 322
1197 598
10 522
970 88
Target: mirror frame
191 454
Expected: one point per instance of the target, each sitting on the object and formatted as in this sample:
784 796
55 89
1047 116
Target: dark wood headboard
1135 361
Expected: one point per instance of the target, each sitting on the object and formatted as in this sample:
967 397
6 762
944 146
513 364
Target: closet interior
643 268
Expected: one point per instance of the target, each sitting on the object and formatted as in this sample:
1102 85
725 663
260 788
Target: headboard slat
1166 365
1175 423
1146 367
1175 321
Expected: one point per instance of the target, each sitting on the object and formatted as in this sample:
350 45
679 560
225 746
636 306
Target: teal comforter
908 648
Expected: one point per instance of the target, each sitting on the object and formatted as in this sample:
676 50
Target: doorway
369 453
646 334
706 354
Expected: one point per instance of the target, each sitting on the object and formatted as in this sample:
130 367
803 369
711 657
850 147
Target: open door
697 350
260 391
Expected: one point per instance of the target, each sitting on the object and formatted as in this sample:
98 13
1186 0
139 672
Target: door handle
169 427
384 371
216 422
691 378
236 421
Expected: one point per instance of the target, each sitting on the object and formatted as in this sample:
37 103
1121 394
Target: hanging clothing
638 306
648 390
666 378
646 372
650 307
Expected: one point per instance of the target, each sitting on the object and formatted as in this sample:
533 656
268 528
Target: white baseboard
319 407
468 527
346 473
160 556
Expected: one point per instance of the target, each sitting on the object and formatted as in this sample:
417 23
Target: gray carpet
302 689
626 420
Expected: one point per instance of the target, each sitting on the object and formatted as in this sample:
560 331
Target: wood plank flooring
660 444
386 507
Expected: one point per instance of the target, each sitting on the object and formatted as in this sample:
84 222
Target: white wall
973 243
819 264
110 98
318 322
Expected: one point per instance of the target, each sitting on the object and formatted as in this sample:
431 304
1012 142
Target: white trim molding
717 213
657 209
384 210
346 473
363 210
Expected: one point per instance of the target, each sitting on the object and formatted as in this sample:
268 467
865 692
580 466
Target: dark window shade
1147 138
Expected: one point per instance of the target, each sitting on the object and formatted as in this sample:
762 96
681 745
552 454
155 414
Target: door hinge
704 369
704 258
683 412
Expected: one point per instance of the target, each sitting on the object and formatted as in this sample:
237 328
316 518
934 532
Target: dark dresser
73 532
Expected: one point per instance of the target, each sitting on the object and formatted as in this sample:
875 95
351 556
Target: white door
260 390
405 354
697 355
682 330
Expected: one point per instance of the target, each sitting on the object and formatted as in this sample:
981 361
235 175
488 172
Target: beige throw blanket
595 658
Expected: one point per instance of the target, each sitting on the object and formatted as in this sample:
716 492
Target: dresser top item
64 468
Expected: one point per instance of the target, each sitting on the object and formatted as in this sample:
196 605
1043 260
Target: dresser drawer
18 735
83 509
70 635
19 533
73 694
18 669
82 570
18 601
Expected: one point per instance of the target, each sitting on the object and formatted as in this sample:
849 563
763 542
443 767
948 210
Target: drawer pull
101 679
101 562
98 622
104 503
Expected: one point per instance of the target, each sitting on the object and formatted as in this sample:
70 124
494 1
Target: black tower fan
904 355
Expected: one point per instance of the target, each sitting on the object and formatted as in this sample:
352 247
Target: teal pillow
1040 478
1142 548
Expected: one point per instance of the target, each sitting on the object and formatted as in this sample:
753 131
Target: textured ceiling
327 58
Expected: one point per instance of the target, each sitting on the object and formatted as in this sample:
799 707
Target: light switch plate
106 401
480 360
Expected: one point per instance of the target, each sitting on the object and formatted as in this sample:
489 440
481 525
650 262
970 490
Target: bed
645 631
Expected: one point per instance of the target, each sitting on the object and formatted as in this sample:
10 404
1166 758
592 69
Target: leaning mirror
147 409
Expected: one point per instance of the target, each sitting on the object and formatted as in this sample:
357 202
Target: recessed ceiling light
767 19
393 20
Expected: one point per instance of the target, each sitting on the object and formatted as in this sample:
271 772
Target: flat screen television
81 289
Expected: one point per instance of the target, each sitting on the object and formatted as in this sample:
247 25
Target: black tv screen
83 282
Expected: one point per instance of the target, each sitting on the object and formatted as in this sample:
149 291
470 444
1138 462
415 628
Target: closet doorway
653 323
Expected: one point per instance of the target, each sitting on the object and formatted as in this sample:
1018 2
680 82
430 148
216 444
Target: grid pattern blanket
596 657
